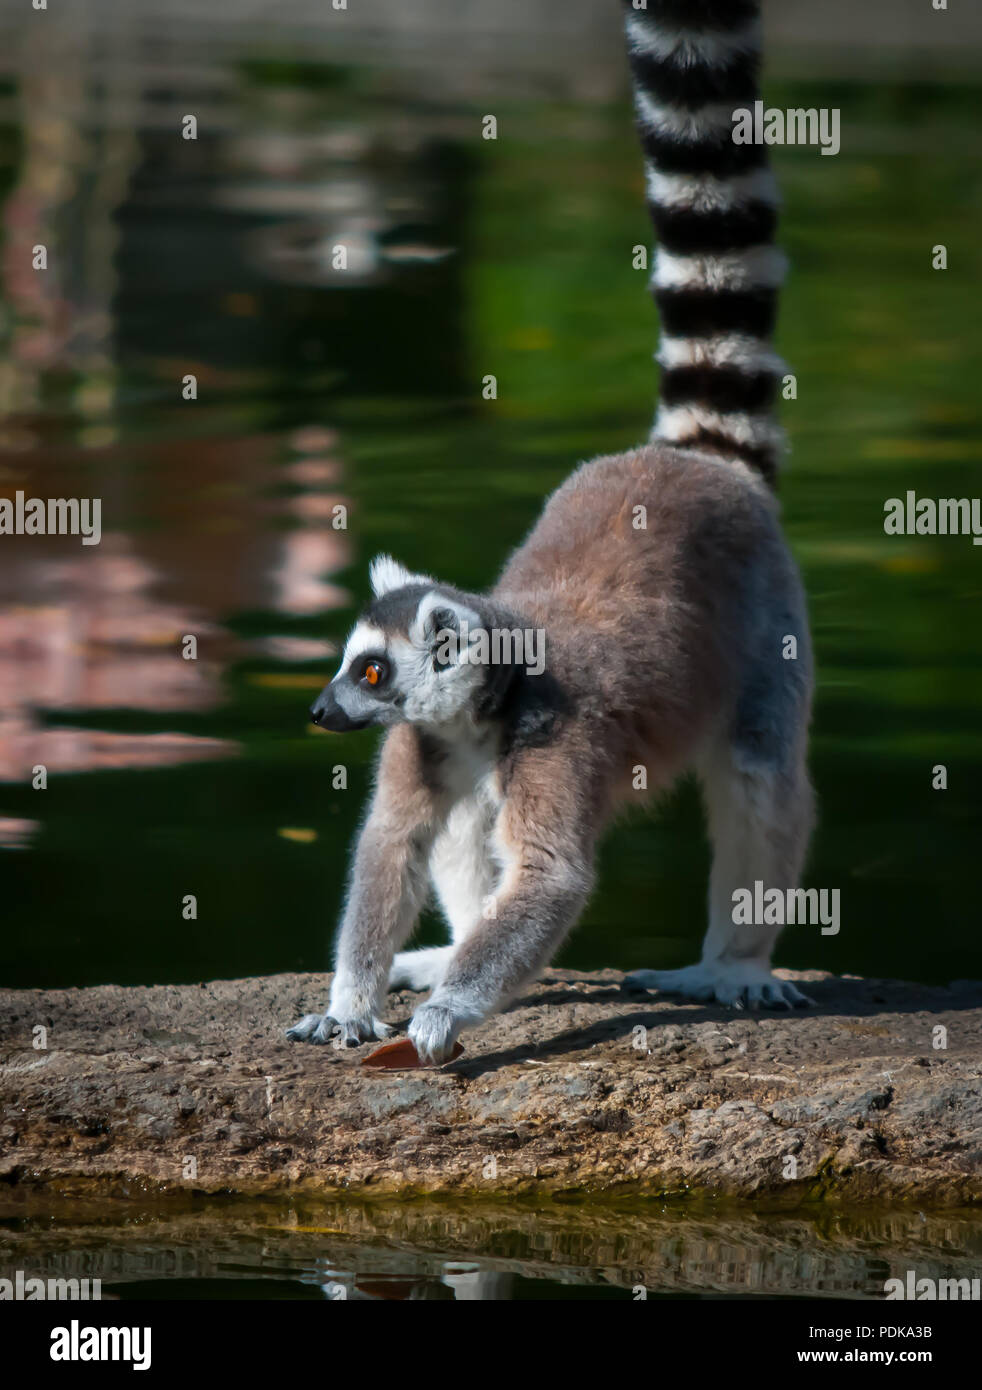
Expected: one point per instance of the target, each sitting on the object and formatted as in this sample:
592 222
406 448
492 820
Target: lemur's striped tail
714 206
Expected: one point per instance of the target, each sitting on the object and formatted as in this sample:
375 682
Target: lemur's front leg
387 887
546 880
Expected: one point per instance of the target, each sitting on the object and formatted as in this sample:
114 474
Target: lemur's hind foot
422 969
738 984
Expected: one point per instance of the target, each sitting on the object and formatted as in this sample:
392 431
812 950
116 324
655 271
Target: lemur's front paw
348 1032
433 1030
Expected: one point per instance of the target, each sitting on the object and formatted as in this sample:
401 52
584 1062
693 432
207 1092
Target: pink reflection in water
15 833
25 743
103 628
92 635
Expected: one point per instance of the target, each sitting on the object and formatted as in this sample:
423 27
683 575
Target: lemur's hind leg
760 814
464 877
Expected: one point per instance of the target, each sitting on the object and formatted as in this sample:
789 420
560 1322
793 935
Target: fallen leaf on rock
402 1056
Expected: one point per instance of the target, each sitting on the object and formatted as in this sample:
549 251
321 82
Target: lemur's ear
437 616
387 574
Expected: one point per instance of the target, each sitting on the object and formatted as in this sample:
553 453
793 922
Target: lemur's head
416 654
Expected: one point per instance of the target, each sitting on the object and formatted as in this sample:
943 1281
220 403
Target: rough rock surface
577 1088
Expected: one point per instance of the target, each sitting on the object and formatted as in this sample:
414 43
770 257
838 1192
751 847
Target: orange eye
373 672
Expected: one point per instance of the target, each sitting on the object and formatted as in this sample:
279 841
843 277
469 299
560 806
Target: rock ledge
578 1088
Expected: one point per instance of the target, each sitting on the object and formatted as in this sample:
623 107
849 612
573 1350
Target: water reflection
430 1249
203 523
90 633
93 631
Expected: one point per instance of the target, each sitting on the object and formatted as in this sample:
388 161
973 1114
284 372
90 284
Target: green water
218 521
541 293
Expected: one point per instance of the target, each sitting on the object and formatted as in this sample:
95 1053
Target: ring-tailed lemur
665 594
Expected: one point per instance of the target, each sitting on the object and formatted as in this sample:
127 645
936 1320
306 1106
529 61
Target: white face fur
423 679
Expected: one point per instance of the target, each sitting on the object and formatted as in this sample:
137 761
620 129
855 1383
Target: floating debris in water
300 835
